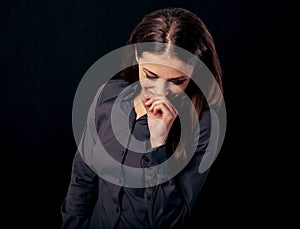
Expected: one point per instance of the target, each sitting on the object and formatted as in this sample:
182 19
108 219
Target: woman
167 112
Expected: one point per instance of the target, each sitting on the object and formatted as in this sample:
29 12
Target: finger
155 97
160 109
146 101
149 104
163 109
167 104
170 107
149 100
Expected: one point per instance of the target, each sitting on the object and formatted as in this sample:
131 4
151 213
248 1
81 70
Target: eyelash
177 82
151 77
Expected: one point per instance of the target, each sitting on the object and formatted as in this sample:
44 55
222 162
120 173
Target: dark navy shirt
92 201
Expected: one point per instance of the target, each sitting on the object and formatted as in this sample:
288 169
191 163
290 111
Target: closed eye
151 77
178 82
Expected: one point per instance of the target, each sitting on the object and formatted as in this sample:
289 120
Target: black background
47 46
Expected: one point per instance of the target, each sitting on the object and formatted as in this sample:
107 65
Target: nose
162 88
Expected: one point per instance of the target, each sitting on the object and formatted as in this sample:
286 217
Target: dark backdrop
46 46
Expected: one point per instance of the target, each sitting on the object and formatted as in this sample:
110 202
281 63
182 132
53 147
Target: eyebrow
176 78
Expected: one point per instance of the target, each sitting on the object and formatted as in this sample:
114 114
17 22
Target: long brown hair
184 29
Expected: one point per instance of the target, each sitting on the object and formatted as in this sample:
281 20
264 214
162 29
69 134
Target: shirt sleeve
82 193
170 203
81 196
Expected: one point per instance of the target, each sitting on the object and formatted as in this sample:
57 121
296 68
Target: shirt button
146 159
121 181
145 162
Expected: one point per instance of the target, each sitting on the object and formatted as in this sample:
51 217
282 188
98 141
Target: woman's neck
138 105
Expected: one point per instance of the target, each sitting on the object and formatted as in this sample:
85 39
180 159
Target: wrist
157 142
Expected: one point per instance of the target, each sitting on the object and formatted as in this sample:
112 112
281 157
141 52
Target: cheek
145 83
178 89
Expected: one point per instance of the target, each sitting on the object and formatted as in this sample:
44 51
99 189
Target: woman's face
162 75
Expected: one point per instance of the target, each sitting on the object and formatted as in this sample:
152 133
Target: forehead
165 62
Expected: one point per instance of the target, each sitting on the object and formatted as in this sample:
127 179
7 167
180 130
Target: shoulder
111 90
